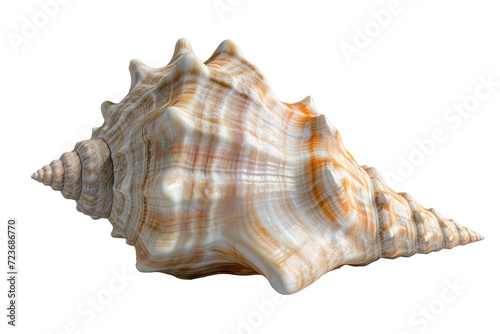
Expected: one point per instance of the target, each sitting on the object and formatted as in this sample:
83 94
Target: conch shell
205 171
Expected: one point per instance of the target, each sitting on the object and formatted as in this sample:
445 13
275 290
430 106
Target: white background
395 91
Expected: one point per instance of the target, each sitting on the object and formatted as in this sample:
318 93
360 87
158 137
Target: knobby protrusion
182 47
138 72
107 108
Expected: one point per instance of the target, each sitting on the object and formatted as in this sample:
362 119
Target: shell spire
85 175
138 72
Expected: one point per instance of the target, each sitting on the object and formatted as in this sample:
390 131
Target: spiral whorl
85 175
63 175
406 228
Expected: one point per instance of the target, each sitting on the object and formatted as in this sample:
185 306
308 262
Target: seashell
205 171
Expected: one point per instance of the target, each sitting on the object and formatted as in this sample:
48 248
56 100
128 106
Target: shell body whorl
205 171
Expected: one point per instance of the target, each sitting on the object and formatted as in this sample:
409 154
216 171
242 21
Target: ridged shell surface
205 171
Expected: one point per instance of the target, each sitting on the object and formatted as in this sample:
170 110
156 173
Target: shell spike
189 63
308 102
138 72
107 108
182 47
226 49
306 106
